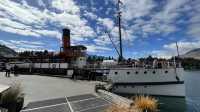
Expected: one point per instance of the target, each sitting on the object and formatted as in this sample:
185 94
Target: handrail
116 99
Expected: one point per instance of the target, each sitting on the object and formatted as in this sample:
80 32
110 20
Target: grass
146 103
122 108
140 104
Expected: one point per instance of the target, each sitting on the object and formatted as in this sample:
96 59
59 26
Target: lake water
42 87
192 101
193 91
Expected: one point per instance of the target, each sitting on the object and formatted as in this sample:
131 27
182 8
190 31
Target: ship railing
167 65
116 99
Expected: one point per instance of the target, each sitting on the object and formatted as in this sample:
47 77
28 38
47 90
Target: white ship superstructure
159 81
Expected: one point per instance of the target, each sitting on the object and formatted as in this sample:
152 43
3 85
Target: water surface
192 90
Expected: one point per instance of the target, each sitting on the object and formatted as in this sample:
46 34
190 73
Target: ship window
124 86
133 86
116 73
154 72
145 72
166 72
145 86
136 72
107 73
128 73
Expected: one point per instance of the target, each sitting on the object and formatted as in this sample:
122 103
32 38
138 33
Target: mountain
192 54
7 52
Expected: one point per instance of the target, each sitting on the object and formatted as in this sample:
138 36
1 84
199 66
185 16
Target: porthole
145 72
116 73
136 72
166 72
154 72
128 73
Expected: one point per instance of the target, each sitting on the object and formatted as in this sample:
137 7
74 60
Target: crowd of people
9 69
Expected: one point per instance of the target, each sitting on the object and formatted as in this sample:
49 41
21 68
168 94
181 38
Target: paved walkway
38 88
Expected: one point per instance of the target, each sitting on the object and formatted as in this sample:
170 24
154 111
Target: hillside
7 52
192 54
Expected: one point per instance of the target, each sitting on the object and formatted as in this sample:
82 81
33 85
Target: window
116 73
145 72
154 72
136 72
107 72
128 73
166 72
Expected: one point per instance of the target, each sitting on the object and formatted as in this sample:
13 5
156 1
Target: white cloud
194 21
194 30
66 5
102 40
90 15
139 17
95 48
183 46
162 54
41 3
175 5
107 22
170 50
20 46
148 17
136 8
127 34
27 20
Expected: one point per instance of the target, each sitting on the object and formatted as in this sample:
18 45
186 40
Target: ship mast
120 32
177 49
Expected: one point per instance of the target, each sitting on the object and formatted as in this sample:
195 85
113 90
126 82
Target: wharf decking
37 88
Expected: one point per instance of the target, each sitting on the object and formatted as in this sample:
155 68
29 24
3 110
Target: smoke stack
66 39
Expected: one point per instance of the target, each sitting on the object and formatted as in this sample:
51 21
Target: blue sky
150 27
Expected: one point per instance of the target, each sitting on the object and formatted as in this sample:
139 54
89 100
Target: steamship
63 63
159 79
166 81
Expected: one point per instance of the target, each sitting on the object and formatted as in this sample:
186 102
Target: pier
43 93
